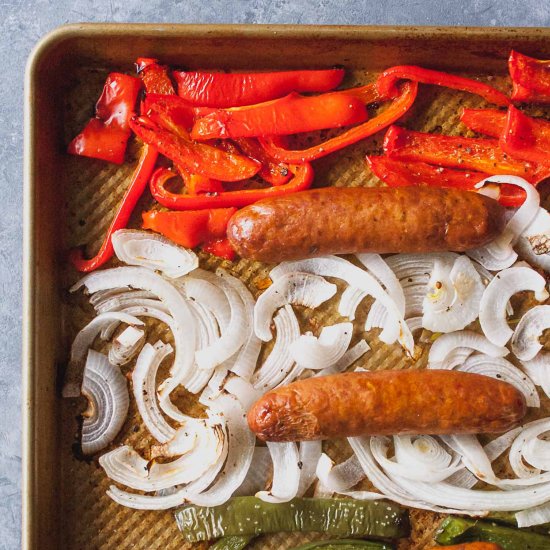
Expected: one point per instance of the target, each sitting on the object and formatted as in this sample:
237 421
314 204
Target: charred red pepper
490 122
171 112
195 184
292 114
237 89
105 136
479 154
394 111
397 173
221 248
387 83
272 171
197 158
191 228
530 78
139 181
303 178
155 77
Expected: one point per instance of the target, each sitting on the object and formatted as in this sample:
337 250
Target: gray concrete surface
22 23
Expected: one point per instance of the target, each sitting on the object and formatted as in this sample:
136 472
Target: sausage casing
385 403
375 219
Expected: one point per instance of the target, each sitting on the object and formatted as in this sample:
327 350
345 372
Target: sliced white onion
83 342
333 266
183 324
241 450
153 251
533 516
286 473
127 299
349 302
453 295
352 355
454 359
501 369
502 443
106 390
126 345
242 390
144 388
279 362
309 454
258 473
339 478
499 254
291 288
183 440
492 312
293 375
446 343
320 353
538 369
526 339
534 243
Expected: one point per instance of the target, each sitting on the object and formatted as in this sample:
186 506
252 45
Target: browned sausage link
387 402
375 219
470 546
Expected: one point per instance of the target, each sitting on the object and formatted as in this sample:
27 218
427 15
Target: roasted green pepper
252 516
455 530
232 543
345 544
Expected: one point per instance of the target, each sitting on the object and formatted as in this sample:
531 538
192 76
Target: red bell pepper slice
139 181
191 228
490 122
195 184
171 112
197 158
237 89
387 83
530 78
155 77
292 114
303 178
105 136
272 171
479 154
397 173
395 110
221 248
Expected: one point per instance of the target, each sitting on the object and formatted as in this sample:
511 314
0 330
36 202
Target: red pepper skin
526 138
530 78
195 184
303 178
105 136
387 83
140 178
292 114
272 171
171 112
221 248
395 111
397 173
191 228
490 122
481 154
197 158
237 89
155 77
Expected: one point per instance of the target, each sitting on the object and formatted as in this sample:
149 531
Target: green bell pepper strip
345 544
455 530
232 543
252 516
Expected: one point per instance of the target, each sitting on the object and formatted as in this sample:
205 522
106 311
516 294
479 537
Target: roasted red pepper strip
397 173
191 228
292 114
479 154
221 248
273 171
490 122
395 110
303 178
237 89
195 184
387 83
140 178
105 136
530 78
526 138
155 77
170 112
197 158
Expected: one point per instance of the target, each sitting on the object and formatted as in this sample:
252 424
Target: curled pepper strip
303 178
530 78
387 83
395 111
140 178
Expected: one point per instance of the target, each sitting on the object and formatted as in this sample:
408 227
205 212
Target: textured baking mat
90 520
